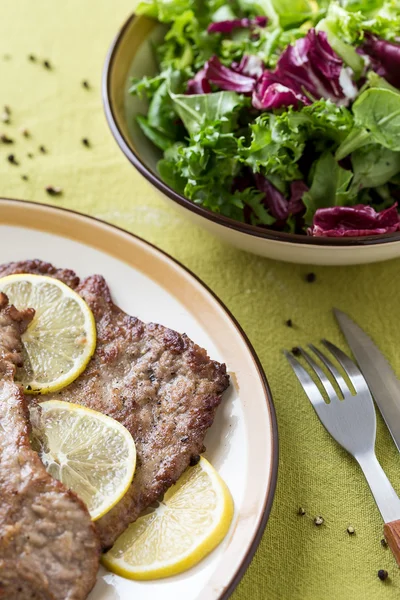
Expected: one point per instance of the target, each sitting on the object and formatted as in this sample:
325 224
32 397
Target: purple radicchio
384 57
231 24
199 84
360 220
310 65
250 65
269 94
275 201
297 189
227 79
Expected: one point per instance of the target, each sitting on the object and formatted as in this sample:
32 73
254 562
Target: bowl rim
156 181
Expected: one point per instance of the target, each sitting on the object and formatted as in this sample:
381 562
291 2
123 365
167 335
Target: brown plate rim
136 161
240 571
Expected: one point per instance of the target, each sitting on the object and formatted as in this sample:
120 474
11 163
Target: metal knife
381 379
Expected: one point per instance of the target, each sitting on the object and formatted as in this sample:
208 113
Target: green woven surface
296 560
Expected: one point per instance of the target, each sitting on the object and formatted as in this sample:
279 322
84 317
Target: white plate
242 444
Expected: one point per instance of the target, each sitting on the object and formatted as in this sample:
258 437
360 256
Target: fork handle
392 535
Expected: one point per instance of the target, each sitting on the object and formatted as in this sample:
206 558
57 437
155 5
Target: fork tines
351 370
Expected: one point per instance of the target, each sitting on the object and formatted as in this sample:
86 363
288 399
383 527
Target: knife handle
392 535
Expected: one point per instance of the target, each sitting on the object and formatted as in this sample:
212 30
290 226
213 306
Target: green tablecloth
296 560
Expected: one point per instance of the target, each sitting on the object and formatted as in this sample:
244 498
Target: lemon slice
61 339
92 454
188 524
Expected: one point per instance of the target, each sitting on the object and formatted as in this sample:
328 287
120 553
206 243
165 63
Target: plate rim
269 497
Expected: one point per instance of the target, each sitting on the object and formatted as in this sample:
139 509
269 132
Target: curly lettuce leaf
342 28
165 11
283 13
278 142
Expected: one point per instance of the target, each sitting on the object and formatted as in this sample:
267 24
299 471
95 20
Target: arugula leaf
377 120
329 181
200 109
373 166
159 139
162 114
376 81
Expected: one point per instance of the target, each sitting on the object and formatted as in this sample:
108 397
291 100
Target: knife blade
381 379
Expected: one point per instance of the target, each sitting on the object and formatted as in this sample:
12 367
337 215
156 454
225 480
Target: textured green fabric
296 560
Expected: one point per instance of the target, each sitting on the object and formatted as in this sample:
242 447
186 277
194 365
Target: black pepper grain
194 460
311 277
86 142
384 543
301 511
85 84
42 149
7 110
11 159
30 155
53 190
32 57
318 521
383 574
47 64
25 132
5 139
24 177
351 530
296 351
289 323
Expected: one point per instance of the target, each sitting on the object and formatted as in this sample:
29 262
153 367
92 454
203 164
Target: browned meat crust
158 383
49 548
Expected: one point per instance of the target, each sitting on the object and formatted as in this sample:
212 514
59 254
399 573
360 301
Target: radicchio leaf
297 189
251 66
360 220
274 200
230 25
385 58
269 94
227 79
310 65
199 84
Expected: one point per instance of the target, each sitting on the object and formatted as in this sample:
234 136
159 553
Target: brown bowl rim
134 158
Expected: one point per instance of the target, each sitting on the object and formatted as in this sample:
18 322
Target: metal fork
351 421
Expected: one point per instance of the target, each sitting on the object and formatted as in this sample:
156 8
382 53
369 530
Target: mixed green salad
280 113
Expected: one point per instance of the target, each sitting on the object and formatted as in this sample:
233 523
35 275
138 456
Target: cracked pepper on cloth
296 560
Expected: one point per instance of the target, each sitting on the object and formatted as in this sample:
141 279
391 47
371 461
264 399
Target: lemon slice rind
196 518
91 453
61 339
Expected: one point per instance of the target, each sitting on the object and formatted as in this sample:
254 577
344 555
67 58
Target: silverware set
346 409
